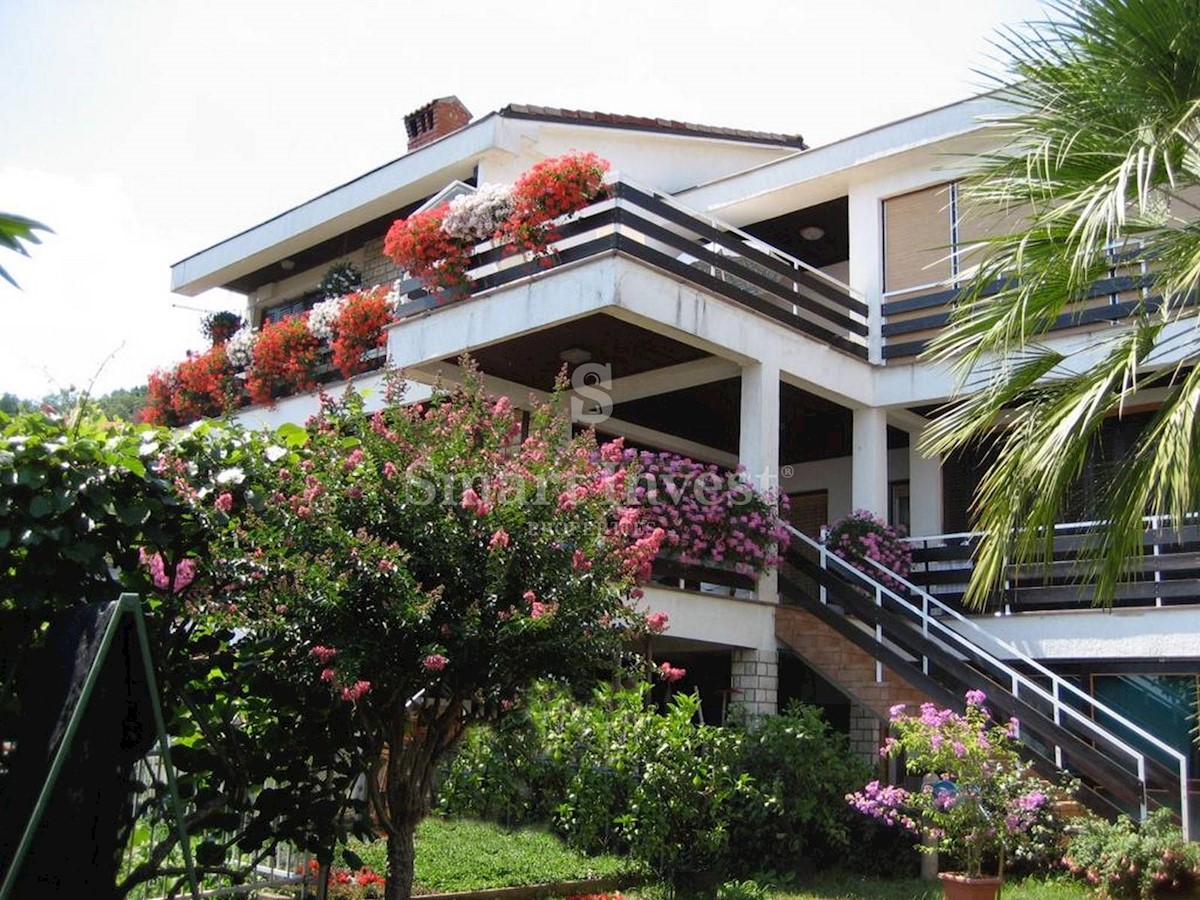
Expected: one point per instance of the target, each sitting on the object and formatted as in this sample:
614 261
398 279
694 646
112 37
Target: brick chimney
434 120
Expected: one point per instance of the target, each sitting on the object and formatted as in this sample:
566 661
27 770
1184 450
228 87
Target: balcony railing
1167 574
655 229
913 316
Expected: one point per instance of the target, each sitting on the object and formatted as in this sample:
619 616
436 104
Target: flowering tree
861 536
986 801
423 566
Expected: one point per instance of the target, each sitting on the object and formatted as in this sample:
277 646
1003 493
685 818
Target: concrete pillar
758 445
755 682
869 477
924 489
864 733
865 216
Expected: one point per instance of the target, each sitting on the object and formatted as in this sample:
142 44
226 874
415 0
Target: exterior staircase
843 663
902 645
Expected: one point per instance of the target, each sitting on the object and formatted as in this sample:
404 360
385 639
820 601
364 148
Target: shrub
1121 859
861 536
284 359
615 775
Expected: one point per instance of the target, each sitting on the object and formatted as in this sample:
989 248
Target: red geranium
552 188
201 385
420 246
285 359
160 392
359 328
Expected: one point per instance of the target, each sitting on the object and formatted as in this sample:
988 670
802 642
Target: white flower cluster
476 216
394 296
322 317
240 348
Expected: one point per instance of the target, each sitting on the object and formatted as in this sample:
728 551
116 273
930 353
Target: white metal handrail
929 622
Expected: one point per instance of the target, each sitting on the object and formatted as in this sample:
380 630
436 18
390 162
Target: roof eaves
644 123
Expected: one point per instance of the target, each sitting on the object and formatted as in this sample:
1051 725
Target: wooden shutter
917 238
976 222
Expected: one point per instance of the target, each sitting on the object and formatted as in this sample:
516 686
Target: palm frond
1102 159
13 231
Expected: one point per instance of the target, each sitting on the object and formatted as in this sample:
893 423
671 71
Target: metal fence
283 866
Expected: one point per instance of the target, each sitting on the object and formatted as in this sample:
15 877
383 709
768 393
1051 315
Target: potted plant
283 360
983 799
711 517
340 279
359 329
219 327
861 536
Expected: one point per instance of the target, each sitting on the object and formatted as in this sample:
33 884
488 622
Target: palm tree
1102 164
14 230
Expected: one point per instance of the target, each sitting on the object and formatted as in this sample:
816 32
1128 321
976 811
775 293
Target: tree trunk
400 852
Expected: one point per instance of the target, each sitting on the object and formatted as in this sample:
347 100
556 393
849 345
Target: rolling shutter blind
917 238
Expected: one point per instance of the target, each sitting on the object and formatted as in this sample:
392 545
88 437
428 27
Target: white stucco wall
299 408
1152 633
834 475
714 619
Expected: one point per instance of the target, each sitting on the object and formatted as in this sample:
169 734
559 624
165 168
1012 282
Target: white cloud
95 303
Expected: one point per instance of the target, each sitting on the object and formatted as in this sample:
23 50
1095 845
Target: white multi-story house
763 303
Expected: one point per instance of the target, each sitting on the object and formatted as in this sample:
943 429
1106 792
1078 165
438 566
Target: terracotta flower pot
960 887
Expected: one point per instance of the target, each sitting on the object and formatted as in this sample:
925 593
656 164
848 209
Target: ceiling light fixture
575 356
287 265
812 232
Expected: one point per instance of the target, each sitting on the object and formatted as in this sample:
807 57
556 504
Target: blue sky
144 130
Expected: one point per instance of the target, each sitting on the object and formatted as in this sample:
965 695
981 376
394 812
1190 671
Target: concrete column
758 444
864 733
865 215
924 489
869 477
755 682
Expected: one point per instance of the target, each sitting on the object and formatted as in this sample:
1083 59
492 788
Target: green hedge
616 775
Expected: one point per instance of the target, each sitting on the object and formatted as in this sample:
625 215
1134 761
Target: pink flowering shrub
1123 860
986 801
421 565
707 514
861 536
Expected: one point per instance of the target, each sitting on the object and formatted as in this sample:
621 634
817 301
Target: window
290 308
899 514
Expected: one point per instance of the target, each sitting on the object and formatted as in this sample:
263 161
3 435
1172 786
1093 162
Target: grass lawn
463 855
849 887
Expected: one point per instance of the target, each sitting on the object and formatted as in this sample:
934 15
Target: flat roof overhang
361 202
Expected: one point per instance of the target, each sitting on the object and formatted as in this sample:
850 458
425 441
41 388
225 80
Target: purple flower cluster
984 780
885 802
860 536
708 514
